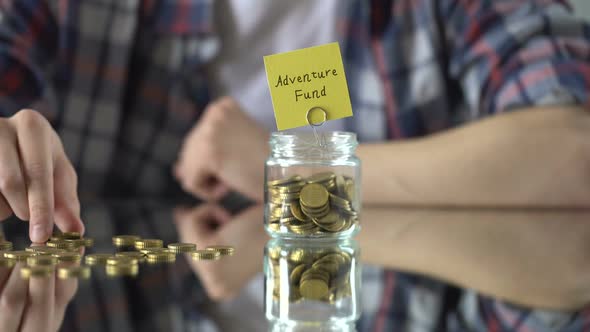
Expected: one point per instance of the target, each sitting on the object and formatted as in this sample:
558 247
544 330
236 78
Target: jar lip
332 139
301 134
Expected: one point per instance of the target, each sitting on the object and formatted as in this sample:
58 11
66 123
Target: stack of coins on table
64 252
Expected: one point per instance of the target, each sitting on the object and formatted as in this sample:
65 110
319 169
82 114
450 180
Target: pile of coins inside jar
62 248
321 203
313 275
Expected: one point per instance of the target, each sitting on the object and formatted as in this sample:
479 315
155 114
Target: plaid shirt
122 81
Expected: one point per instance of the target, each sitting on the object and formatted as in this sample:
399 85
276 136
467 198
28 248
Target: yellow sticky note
304 79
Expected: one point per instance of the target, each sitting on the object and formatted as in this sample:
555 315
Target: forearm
515 159
528 258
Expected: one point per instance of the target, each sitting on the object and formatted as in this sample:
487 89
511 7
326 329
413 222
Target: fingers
39 311
13 299
34 142
12 183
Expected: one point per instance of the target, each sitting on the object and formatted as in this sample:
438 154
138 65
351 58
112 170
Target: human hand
37 181
225 150
33 305
208 225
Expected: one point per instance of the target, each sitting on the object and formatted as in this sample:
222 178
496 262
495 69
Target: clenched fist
225 151
37 181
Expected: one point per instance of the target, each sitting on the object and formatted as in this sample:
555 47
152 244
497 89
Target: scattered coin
5 245
19 255
148 243
139 256
223 250
42 259
80 272
125 240
198 255
97 259
179 248
40 271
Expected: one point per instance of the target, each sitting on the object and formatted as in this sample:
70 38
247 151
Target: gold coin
80 272
296 273
161 257
223 250
179 248
125 240
287 180
7 262
149 250
349 189
297 213
198 255
298 256
19 255
331 266
88 242
5 245
329 219
148 243
122 270
63 244
274 226
340 184
340 202
313 289
42 249
133 254
77 243
97 259
274 253
43 259
321 177
41 271
314 195
122 260
68 257
338 226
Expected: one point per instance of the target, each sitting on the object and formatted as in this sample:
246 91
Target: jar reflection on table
312 283
312 190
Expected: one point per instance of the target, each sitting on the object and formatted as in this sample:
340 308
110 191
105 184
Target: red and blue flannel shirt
122 81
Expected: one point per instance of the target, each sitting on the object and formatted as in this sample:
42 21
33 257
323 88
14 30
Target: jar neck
328 145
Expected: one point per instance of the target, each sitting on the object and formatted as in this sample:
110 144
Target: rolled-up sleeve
508 54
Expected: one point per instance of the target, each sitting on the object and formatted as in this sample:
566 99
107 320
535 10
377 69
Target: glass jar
312 189
312 285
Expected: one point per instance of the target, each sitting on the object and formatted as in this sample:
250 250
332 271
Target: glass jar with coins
312 186
312 285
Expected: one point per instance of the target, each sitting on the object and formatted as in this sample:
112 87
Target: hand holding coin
224 151
211 226
37 181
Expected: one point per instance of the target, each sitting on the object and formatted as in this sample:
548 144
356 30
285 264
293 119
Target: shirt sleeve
508 54
476 312
28 41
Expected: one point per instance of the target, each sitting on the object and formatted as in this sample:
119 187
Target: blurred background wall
582 8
